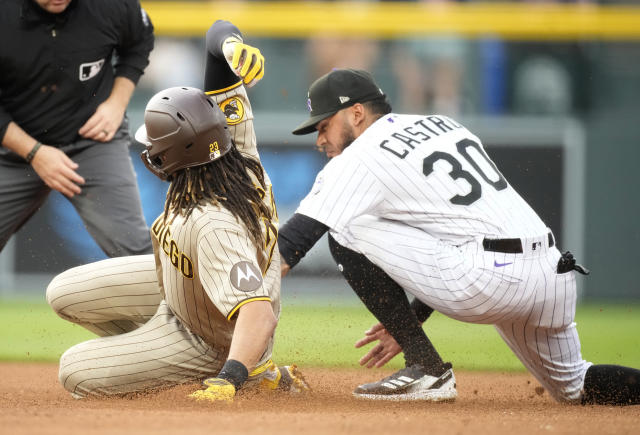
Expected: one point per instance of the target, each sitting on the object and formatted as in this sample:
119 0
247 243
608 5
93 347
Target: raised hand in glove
217 390
246 61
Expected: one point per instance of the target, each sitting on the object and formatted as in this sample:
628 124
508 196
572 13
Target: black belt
508 246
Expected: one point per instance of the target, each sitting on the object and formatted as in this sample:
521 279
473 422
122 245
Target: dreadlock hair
225 182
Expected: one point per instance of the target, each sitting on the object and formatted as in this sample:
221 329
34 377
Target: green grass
323 335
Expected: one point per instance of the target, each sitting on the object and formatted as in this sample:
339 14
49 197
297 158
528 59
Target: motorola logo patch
245 276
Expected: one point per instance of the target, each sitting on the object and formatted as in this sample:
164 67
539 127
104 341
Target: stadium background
551 88
553 91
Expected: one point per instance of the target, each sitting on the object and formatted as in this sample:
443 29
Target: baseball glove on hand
246 61
217 390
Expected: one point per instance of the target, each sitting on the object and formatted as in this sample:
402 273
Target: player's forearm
254 328
217 74
17 140
216 35
297 236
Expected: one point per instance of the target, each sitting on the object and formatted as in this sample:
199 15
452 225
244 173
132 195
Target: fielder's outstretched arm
296 237
381 295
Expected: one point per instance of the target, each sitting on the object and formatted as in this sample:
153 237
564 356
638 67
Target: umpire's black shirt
55 69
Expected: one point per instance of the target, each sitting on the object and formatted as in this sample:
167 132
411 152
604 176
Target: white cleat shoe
411 383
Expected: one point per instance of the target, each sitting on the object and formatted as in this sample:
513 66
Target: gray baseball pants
109 204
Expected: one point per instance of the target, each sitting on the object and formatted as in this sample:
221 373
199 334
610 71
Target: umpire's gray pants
109 204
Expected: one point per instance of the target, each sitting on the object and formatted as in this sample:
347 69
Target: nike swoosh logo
496 264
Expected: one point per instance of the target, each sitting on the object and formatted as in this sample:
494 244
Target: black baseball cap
335 91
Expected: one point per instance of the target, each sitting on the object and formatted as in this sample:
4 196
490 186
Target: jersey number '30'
457 172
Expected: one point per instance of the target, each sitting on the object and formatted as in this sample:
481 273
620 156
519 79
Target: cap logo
309 104
343 99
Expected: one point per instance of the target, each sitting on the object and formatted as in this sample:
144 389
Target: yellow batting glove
217 390
246 61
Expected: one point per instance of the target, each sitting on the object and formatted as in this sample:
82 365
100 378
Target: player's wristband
33 152
234 372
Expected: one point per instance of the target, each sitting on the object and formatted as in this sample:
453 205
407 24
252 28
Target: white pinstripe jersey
416 195
428 172
207 265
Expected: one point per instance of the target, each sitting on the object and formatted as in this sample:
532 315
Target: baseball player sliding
415 202
206 304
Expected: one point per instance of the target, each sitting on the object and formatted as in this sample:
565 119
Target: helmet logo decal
309 104
233 110
214 150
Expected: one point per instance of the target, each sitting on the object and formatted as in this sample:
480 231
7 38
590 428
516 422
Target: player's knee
55 293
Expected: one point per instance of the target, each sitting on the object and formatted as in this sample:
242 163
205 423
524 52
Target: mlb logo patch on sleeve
90 69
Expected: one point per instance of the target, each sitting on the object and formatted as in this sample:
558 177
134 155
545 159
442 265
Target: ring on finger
106 133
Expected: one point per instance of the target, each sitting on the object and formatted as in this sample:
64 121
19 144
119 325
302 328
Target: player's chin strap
567 263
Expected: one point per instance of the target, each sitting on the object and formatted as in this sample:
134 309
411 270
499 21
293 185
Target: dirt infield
32 402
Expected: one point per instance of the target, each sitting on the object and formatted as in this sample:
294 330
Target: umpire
65 83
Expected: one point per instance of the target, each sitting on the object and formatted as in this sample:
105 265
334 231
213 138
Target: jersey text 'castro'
428 172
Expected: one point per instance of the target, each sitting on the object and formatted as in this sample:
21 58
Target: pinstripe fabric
160 353
108 297
367 178
168 319
214 241
236 106
417 195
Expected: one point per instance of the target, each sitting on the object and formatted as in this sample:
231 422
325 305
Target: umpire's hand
57 170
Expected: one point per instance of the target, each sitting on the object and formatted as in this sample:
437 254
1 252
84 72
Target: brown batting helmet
182 128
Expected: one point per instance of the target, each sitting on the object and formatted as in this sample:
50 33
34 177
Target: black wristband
234 372
33 151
